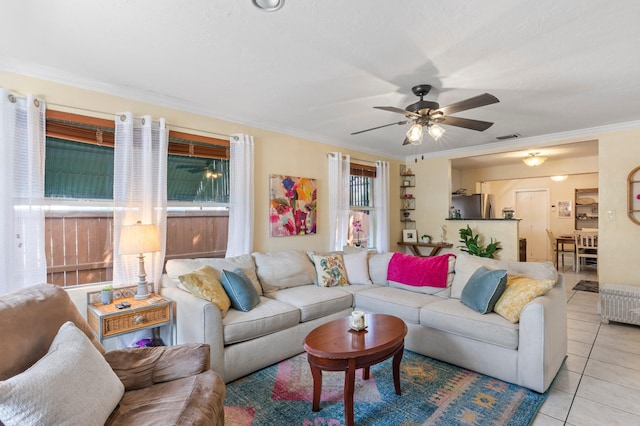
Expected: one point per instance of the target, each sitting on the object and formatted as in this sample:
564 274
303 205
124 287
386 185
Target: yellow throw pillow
203 283
519 292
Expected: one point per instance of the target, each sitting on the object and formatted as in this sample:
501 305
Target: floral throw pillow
330 270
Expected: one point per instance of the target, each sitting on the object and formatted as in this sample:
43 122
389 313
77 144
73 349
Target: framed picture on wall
409 236
564 209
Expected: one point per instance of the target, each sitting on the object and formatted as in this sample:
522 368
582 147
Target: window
361 211
79 193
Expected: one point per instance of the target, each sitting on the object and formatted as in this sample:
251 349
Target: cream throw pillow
203 283
71 385
331 271
519 292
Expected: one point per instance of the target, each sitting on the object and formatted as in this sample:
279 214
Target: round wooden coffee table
335 347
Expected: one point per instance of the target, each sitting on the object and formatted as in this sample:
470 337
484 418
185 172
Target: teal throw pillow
484 289
240 289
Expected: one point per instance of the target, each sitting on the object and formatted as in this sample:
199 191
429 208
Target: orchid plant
357 229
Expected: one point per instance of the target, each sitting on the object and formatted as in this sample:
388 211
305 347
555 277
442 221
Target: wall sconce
534 159
139 239
559 178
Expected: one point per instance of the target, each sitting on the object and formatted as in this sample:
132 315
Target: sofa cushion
357 264
177 402
283 269
71 384
177 267
393 301
451 316
483 289
203 283
240 290
330 270
315 302
519 292
267 317
441 291
466 265
378 266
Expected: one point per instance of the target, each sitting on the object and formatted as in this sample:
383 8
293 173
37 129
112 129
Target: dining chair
559 250
586 248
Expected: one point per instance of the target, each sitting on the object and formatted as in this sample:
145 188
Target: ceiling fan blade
380 127
404 112
475 102
466 123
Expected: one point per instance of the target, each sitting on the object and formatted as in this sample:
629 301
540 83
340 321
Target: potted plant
472 246
106 295
426 238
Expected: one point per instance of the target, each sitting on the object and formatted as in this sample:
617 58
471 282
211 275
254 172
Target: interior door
532 206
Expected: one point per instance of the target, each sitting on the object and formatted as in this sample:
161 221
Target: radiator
620 303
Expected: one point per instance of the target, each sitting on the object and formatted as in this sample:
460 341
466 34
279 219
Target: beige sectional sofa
528 353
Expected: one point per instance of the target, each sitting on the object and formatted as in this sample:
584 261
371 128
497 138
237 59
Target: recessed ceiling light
268 5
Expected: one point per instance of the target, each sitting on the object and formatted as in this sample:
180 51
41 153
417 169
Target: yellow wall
274 153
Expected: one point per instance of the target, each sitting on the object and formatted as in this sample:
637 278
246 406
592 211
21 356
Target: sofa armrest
543 338
198 321
143 367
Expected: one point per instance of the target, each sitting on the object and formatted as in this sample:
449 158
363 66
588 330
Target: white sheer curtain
339 170
381 206
22 138
139 191
240 240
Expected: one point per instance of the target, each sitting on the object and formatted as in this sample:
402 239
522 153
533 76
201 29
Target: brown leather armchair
163 385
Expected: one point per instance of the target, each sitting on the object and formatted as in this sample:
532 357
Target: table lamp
139 239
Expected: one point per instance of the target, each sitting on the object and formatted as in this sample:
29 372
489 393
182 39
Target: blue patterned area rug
433 393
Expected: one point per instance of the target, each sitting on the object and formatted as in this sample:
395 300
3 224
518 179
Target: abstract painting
292 206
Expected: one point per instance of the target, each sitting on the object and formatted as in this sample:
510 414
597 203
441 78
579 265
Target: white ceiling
315 69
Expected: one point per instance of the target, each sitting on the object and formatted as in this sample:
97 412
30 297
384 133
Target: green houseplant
106 295
474 248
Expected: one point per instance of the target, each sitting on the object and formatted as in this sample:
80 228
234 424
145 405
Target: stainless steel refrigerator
474 206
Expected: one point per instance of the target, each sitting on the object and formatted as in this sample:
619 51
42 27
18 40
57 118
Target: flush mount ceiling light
534 159
268 5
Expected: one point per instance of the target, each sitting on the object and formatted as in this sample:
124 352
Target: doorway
532 207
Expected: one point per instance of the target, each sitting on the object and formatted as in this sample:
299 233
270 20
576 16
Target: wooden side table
435 248
109 321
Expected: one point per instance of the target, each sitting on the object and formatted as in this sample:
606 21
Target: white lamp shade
139 238
415 134
436 131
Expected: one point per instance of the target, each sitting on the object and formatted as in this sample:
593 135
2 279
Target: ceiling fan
429 114
209 170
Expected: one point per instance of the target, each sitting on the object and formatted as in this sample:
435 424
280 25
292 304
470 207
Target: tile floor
599 383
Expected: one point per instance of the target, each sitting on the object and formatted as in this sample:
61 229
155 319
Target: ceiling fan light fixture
268 5
414 134
534 159
436 131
